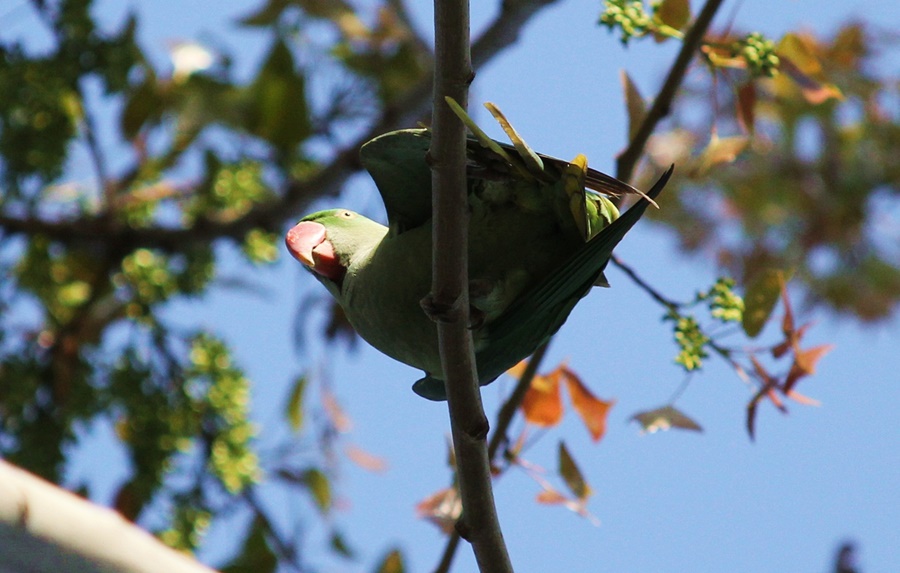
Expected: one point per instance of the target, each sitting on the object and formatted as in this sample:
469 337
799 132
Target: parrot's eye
346 214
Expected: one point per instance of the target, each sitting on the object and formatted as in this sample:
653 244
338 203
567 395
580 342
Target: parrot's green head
329 242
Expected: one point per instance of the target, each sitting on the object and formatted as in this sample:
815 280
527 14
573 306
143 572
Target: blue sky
667 502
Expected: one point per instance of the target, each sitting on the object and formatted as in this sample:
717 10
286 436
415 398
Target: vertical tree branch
626 162
449 300
498 438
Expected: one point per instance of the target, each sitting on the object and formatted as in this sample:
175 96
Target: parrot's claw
476 318
439 310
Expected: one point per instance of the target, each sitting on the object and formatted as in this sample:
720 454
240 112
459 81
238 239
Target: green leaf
295 403
276 101
256 556
673 13
572 475
759 299
339 545
143 104
392 563
665 418
320 488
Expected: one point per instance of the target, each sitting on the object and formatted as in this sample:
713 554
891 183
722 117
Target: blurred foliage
806 185
83 338
93 258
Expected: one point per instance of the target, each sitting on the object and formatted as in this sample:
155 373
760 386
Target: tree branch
627 160
498 438
448 302
624 170
405 111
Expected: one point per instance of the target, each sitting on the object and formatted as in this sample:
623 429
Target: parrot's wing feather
397 163
598 181
543 309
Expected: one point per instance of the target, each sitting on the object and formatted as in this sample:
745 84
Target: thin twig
645 286
672 305
627 160
449 300
286 551
448 554
511 405
97 157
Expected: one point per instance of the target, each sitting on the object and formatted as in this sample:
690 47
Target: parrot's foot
480 291
439 309
476 318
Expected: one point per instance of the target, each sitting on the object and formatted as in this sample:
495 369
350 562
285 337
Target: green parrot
540 235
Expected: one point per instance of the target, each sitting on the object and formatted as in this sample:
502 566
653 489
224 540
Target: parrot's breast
509 251
381 299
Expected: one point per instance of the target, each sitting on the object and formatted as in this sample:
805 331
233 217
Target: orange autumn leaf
339 419
542 404
519 369
807 359
364 459
551 497
592 410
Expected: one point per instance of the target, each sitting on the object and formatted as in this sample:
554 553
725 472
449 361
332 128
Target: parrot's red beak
303 239
307 243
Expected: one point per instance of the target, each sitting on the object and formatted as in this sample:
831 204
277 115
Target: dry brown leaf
799 56
805 364
814 91
746 107
635 104
665 418
720 150
801 399
442 508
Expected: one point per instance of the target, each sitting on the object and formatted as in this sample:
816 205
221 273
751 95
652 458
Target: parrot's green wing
534 318
397 163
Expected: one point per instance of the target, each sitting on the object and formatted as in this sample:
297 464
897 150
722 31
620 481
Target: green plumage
537 243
